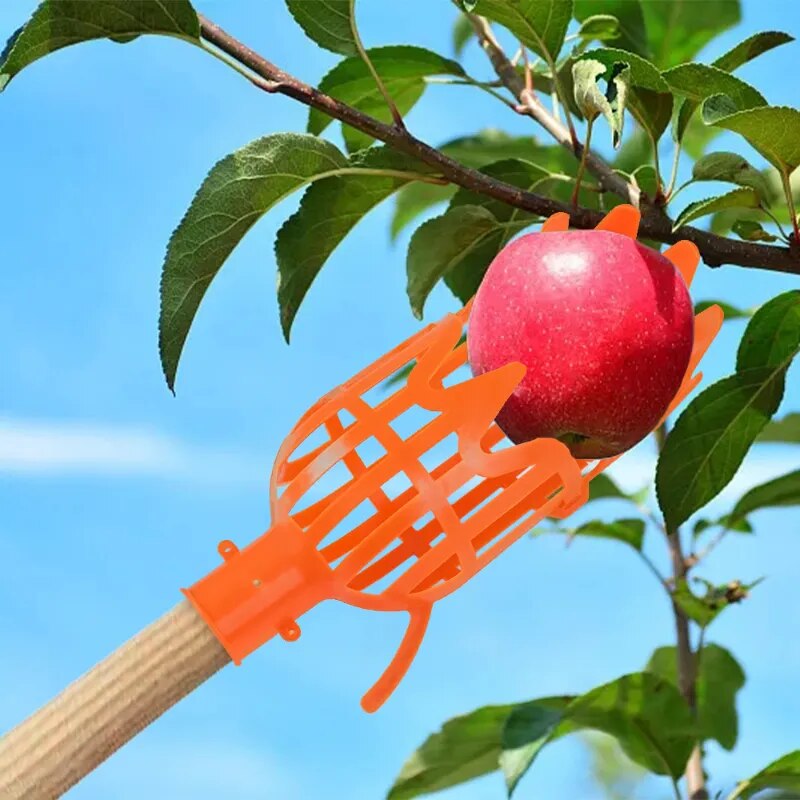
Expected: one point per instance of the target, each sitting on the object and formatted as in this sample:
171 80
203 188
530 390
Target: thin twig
656 225
486 87
256 80
530 105
676 160
395 111
656 167
684 185
527 70
776 221
712 545
582 164
787 189
654 569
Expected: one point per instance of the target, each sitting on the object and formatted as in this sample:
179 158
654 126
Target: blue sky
113 493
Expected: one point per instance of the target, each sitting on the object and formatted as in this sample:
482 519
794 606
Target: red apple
604 326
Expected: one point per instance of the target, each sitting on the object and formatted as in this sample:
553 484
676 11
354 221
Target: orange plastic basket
470 494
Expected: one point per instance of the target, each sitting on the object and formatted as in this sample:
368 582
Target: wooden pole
65 740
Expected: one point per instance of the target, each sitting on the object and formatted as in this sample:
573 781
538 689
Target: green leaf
785 430
783 774
644 75
592 101
439 244
462 33
693 133
491 145
777 493
751 48
719 679
752 231
699 81
700 526
465 277
740 525
738 198
237 192
777 196
630 531
636 151
415 199
678 31
516 171
699 609
467 5
602 487
402 374
730 312
684 112
704 610
465 748
628 13
647 180
731 168
722 223
402 68
600 27
650 97
539 24
612 772
773 335
714 433
774 131
61 23
329 23
743 52
477 150
643 712
329 210
712 437
543 79
529 727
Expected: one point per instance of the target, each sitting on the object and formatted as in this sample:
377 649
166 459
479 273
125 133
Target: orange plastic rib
467 494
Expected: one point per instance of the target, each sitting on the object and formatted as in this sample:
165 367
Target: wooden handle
66 739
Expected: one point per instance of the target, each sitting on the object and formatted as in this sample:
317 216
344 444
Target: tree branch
529 104
687 660
687 672
715 250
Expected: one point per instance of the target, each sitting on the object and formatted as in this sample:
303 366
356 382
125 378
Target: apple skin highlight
604 326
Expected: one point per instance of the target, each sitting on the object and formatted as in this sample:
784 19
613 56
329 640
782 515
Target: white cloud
34 447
